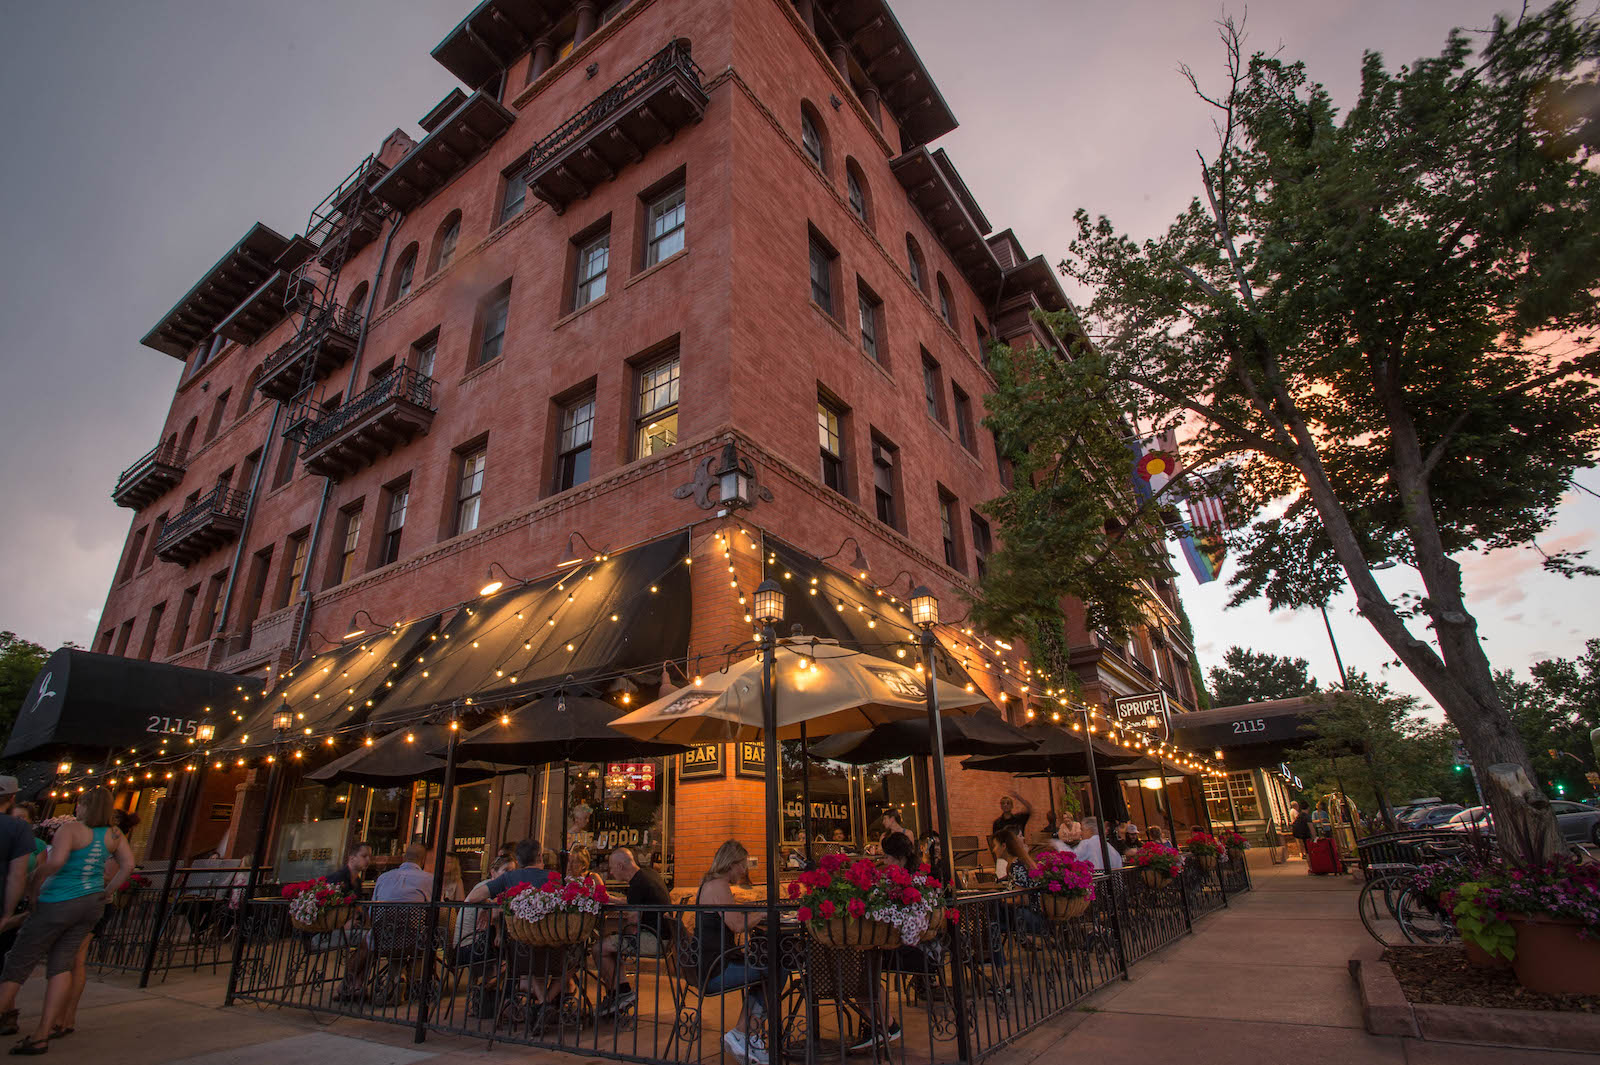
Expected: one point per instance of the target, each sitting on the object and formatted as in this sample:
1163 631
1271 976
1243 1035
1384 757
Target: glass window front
378 815
311 831
847 802
1242 784
657 423
617 804
666 236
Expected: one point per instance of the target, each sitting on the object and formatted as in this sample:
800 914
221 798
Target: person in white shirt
1068 835
1089 849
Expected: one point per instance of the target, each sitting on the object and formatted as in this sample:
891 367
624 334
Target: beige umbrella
821 687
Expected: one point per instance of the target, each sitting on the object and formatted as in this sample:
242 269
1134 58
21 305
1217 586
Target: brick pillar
248 797
543 52
588 19
840 54
870 100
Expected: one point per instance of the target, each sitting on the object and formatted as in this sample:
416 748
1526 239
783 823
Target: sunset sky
148 136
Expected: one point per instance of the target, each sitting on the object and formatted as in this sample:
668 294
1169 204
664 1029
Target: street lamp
206 732
925 615
283 719
768 611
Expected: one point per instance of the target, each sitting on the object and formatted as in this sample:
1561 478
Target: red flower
911 896
794 889
827 908
952 915
856 907
804 913
924 868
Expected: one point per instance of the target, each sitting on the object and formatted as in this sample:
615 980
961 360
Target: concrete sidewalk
1264 982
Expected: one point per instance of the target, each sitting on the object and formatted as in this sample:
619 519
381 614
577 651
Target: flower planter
1206 862
1482 959
856 933
329 918
1235 854
1553 959
936 924
1058 908
1154 878
556 930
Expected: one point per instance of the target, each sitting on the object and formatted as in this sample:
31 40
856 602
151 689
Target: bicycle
1395 912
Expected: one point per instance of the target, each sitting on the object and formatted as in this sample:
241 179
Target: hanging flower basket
556 913
1058 908
1064 883
317 906
855 933
1154 878
859 906
1204 849
1234 842
557 930
1158 863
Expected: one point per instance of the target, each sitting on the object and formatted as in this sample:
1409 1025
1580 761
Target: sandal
31 1046
59 1032
8 1022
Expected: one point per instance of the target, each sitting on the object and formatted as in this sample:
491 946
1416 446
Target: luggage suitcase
1324 857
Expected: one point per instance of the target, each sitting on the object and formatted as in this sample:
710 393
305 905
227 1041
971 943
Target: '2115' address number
1255 724
173 726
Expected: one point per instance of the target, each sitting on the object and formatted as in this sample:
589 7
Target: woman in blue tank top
68 890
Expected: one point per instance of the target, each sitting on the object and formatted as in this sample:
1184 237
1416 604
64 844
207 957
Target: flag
1156 462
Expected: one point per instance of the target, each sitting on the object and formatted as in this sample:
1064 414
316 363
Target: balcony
390 414
151 477
645 109
349 218
452 144
324 344
214 519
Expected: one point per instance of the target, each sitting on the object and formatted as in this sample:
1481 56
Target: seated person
716 933
357 857
638 933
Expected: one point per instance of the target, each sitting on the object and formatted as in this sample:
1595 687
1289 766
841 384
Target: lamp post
768 612
282 722
441 832
925 615
191 800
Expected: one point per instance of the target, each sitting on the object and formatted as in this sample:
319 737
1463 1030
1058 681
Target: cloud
1501 577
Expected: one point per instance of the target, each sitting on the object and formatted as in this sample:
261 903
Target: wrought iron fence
674 57
221 501
402 383
678 984
334 318
166 453
196 933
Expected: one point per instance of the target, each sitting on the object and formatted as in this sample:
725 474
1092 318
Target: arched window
172 443
811 138
915 264
947 305
856 191
188 435
444 242
357 300
405 269
247 398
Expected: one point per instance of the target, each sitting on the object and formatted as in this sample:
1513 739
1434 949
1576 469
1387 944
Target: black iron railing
674 57
196 933
404 383
220 502
674 994
331 319
167 453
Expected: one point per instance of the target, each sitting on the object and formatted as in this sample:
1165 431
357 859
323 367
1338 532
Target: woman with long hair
715 938
68 889
580 866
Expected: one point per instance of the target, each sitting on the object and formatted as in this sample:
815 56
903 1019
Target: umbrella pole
441 832
566 799
805 793
1172 827
1050 787
941 798
1113 883
769 728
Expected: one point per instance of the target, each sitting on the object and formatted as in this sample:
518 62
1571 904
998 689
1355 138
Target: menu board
630 776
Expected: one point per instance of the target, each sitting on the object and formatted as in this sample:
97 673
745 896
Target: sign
222 811
630 776
702 763
1133 709
752 759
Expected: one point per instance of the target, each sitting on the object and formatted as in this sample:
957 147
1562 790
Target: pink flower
856 907
1055 885
826 908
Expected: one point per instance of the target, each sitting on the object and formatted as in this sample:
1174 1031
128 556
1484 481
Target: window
884 478
444 245
963 417
870 311
357 300
344 563
212 610
295 551
947 531
811 135
395 523
982 545
932 388
572 449
102 643
822 259
423 353
135 550
147 644
493 335
914 264
255 592
469 490
404 271
219 408
593 259
150 545
514 196
664 226
855 190
983 340
188 436
656 426
288 454
946 303
380 371
830 435
124 633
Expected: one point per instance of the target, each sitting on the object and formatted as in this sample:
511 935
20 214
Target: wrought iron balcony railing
158 470
404 384
207 523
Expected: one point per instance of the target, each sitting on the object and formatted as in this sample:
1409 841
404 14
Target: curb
1387 1011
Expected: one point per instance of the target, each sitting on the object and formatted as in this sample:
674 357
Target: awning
1058 752
88 704
626 613
336 689
1251 735
399 758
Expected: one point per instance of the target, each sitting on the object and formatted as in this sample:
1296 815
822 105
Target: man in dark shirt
1010 817
348 875
529 870
639 934
16 847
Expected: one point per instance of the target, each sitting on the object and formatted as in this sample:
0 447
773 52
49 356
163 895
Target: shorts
644 944
52 934
104 922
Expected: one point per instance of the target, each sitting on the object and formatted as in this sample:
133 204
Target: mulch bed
1442 976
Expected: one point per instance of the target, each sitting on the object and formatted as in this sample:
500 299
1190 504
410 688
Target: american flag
1205 512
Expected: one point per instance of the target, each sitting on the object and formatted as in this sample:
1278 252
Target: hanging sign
704 762
631 776
1133 709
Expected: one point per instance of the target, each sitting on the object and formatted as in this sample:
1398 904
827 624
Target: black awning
1251 735
335 689
628 612
1059 753
399 758
88 704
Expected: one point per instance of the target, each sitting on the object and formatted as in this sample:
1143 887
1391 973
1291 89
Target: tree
1555 710
20 662
1247 676
1377 326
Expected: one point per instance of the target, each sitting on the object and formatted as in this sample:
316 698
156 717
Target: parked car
1472 819
1578 823
1434 816
1404 813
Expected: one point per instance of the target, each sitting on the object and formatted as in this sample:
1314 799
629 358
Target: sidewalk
1264 982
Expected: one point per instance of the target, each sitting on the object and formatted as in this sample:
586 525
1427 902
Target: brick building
640 233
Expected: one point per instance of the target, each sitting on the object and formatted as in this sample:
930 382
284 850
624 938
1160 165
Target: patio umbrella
559 728
399 758
822 689
1059 754
984 732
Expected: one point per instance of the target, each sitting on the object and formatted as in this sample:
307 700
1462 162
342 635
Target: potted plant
1158 863
124 894
860 906
318 906
1553 913
1065 884
1204 849
1234 842
1489 941
556 913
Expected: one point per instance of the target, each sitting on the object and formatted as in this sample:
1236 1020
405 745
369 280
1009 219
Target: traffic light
1561 789
1459 751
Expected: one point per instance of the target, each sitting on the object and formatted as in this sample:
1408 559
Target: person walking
1300 829
69 889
